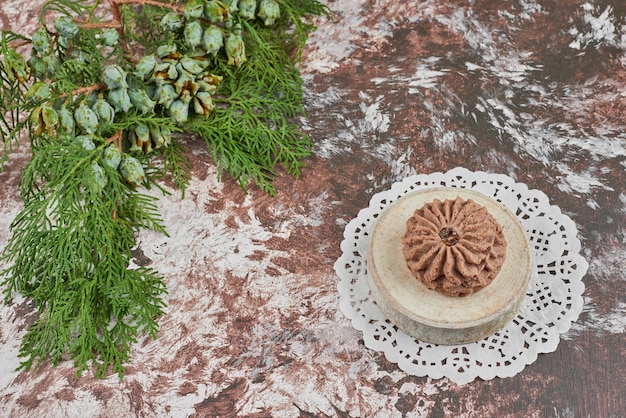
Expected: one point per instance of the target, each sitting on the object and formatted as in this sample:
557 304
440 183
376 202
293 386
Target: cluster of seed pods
207 27
222 31
172 82
177 83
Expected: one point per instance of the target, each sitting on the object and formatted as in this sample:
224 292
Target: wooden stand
429 315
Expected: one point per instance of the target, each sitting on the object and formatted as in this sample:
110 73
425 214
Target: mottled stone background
535 89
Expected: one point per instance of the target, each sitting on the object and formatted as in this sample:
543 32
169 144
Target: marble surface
535 89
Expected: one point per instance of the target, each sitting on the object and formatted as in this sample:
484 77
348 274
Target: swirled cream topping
454 247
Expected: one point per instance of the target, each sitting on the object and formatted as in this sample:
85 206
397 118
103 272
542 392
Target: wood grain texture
427 314
533 89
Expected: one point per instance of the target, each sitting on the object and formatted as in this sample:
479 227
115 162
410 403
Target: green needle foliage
70 253
102 94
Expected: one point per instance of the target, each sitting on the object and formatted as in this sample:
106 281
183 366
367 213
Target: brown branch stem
101 25
116 139
85 90
18 43
117 18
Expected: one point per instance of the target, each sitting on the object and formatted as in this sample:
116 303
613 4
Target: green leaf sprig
103 94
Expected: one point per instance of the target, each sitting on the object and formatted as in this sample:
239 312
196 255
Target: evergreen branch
228 150
248 133
96 117
70 255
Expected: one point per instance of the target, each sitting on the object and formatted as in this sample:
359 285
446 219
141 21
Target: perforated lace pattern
553 300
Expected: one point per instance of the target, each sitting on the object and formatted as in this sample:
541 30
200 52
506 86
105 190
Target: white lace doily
553 300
